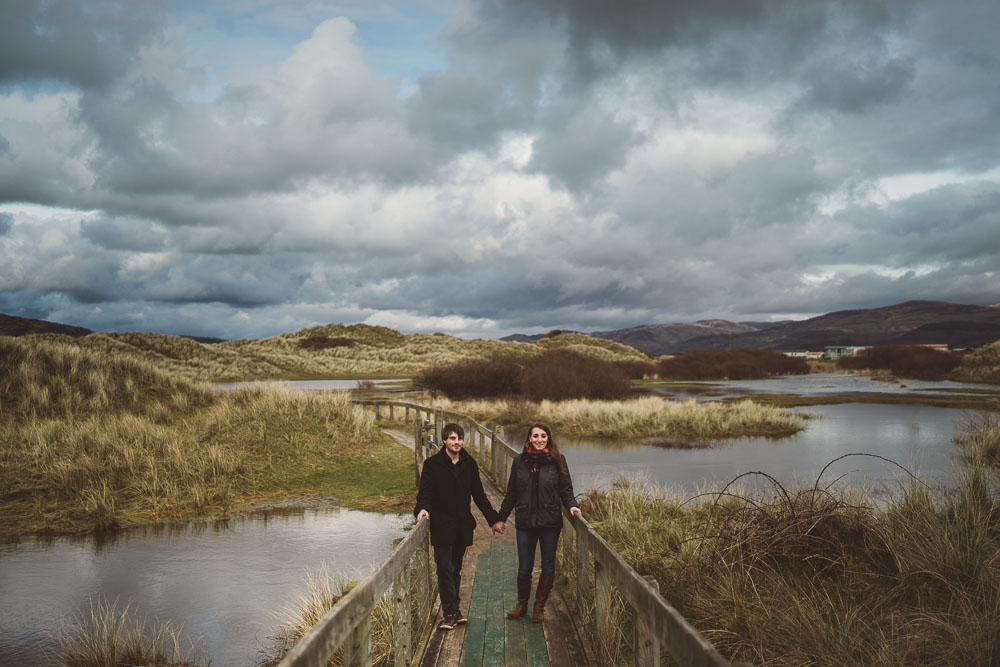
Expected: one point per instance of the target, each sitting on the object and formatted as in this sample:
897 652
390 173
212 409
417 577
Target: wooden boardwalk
488 592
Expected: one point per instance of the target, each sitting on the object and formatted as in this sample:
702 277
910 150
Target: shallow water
919 438
224 582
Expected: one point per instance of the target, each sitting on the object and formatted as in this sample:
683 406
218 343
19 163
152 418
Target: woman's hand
421 515
498 527
575 511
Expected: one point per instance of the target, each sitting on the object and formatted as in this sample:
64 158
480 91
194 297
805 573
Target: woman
539 482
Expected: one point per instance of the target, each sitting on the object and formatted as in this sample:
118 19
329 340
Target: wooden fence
623 616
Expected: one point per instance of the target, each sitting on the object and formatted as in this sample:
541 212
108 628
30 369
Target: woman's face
539 439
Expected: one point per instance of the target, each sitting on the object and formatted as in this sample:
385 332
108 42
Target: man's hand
575 511
421 515
498 527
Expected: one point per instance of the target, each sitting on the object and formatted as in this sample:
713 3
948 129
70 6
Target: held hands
498 527
421 515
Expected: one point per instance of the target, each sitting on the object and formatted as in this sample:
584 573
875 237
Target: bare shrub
742 364
317 343
560 374
498 375
909 361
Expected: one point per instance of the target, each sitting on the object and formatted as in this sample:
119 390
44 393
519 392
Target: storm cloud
521 166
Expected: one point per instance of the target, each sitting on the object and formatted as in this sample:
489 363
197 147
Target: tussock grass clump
107 636
647 416
94 443
743 364
816 575
321 592
908 361
555 374
982 365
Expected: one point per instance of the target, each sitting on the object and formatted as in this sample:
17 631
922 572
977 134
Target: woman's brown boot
541 596
523 593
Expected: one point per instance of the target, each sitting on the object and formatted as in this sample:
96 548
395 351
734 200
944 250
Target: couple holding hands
538 486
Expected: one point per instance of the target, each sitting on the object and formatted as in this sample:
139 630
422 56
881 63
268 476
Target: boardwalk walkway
488 592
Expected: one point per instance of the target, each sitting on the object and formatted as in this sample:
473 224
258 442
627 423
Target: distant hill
11 325
911 322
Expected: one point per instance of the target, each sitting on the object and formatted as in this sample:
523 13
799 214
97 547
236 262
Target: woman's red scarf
536 457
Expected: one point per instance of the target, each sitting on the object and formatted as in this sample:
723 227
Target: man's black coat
445 491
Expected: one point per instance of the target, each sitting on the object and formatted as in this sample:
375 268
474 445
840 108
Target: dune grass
981 365
821 576
109 636
330 351
648 416
92 441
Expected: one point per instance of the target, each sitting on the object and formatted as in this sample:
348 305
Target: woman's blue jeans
547 539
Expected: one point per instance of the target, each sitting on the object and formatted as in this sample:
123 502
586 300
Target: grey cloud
6 223
85 43
124 234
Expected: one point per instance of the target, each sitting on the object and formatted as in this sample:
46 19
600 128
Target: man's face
454 443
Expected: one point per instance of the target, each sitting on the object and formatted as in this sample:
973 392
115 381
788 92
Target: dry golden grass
321 592
824 577
641 417
110 637
982 365
90 441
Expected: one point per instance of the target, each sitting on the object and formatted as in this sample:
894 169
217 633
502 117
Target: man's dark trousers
448 559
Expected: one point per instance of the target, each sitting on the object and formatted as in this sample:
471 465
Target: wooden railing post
358 647
602 602
646 647
401 620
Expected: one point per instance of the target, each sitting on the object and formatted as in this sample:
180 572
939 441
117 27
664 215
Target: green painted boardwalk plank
493 642
475 630
514 639
491 639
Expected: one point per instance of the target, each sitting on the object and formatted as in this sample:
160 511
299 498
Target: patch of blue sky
400 38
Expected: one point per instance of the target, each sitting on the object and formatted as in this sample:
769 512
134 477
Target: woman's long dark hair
553 447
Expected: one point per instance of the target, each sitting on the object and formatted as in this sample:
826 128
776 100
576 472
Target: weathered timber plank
493 641
513 630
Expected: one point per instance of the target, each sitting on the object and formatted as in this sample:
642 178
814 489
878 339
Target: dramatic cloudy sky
241 168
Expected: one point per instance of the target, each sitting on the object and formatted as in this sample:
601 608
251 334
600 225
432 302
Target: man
449 479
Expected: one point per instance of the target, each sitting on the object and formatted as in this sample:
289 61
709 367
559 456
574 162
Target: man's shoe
461 618
449 622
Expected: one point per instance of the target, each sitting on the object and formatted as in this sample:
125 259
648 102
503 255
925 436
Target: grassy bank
817 576
982 365
648 416
91 441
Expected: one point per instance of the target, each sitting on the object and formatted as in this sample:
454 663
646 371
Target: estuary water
225 583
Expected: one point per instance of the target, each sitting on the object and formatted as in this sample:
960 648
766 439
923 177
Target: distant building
802 354
834 352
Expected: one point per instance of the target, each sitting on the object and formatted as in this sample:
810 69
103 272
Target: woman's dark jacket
445 490
537 495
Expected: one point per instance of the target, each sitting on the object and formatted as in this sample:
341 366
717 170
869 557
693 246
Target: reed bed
648 416
109 636
94 443
817 575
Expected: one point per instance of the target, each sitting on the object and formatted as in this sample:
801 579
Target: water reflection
224 581
919 438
